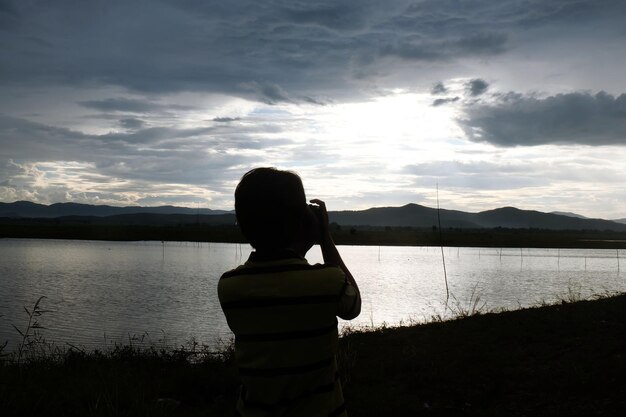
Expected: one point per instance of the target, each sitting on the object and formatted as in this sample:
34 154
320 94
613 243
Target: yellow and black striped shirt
283 312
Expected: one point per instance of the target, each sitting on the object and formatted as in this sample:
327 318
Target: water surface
102 293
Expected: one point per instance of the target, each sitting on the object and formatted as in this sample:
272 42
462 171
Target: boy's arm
331 254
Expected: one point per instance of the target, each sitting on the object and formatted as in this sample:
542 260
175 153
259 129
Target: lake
101 293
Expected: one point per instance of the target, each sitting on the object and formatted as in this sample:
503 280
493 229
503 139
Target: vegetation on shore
565 359
387 236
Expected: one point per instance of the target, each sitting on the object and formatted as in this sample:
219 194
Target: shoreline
513 238
147 229
554 360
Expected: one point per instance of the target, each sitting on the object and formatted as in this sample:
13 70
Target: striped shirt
283 312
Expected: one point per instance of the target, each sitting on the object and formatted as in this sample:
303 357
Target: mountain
620 220
145 219
569 214
410 215
514 218
415 215
34 210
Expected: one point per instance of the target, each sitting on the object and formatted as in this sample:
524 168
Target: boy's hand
322 215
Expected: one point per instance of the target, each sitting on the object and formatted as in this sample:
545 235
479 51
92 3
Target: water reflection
108 292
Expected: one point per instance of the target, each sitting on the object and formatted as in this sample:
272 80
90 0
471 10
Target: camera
317 211
315 223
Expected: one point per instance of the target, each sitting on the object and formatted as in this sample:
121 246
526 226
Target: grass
566 359
124 381
560 360
32 340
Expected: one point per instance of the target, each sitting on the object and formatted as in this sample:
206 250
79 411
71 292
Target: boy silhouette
282 310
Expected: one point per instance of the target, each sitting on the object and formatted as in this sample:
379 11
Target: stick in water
443 258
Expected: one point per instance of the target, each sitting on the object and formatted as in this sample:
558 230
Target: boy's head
271 208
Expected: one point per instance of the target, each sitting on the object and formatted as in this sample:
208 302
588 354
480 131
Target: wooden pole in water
443 258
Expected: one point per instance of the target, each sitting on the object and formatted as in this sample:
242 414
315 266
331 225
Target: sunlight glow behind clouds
350 153
132 102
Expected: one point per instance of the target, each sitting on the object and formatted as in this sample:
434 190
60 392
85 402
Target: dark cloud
21 139
273 51
530 14
332 15
226 119
475 45
312 100
520 13
574 118
122 104
8 8
477 87
438 88
447 100
9 19
131 123
267 93
490 43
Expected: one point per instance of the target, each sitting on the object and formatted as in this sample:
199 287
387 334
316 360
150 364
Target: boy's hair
270 205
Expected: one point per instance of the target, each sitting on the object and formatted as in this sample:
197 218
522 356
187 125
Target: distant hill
416 215
33 210
512 217
569 214
413 215
623 221
148 219
410 215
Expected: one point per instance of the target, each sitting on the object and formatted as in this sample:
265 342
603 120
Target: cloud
163 97
477 87
312 100
474 45
572 118
273 51
131 123
267 93
496 174
7 7
123 104
332 15
120 104
447 100
484 175
438 88
156 154
226 119
160 200
474 87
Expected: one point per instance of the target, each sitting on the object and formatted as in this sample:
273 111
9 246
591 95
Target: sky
374 103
